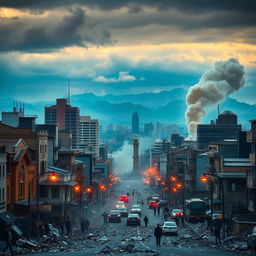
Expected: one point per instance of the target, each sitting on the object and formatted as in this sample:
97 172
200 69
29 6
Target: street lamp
53 177
77 188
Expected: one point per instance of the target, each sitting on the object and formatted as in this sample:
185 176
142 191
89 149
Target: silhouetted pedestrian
182 220
177 220
105 218
217 233
146 221
7 237
154 211
158 210
158 234
68 225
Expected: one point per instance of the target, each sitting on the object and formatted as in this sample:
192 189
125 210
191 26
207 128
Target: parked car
152 204
163 203
176 212
120 204
251 239
136 209
170 227
123 212
114 216
156 198
124 198
133 219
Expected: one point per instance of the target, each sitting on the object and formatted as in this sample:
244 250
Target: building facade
2 179
251 175
66 117
89 134
225 127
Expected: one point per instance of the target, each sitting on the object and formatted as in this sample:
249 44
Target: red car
124 198
152 205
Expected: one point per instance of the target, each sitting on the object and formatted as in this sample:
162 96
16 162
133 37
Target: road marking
138 232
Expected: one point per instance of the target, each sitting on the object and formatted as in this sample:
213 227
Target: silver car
169 227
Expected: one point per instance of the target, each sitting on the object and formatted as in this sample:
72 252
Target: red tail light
138 218
128 218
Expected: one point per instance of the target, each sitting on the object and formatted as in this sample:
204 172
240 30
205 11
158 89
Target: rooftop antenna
68 91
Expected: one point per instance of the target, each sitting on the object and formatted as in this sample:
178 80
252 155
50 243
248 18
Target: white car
120 204
170 227
136 209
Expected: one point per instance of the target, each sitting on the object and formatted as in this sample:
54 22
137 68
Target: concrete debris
23 242
106 249
187 236
103 239
136 238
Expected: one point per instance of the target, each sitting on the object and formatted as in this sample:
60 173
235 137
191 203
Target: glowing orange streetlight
173 178
89 190
204 178
174 189
103 187
179 185
53 177
77 188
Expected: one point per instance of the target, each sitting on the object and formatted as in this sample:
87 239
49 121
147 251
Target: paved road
120 234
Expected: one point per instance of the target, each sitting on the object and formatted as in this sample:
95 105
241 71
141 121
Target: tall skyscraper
65 116
89 134
135 123
135 155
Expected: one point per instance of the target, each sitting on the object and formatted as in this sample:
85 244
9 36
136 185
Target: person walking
158 210
217 233
87 224
68 225
177 220
146 221
82 225
158 234
182 220
154 211
7 237
105 218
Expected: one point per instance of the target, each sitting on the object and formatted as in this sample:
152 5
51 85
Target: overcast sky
114 46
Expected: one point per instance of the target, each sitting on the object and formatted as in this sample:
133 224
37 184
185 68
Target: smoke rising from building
123 161
213 87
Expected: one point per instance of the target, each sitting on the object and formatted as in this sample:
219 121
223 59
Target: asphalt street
119 234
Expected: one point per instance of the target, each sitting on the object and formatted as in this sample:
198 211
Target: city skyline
120 48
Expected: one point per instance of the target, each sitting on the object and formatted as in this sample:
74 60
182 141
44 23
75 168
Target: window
45 148
8 192
55 192
22 169
43 191
21 189
3 194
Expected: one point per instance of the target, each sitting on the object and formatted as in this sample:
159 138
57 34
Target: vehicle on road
114 216
176 212
136 209
163 203
156 198
152 204
120 204
133 219
123 212
124 198
170 227
195 209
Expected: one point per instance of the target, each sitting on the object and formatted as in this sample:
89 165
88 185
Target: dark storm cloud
183 5
48 34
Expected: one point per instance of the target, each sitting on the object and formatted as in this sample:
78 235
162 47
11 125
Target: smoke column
214 86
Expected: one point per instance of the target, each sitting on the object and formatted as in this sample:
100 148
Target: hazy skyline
121 47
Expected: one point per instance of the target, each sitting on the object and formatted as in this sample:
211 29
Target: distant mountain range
166 106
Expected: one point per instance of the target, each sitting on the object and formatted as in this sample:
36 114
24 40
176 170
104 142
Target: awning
7 218
58 183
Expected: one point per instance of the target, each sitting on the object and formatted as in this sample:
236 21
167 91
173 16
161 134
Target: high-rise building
136 155
65 116
225 127
135 123
148 129
89 134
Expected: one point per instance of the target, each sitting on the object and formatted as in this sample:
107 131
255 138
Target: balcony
251 180
252 157
251 136
251 205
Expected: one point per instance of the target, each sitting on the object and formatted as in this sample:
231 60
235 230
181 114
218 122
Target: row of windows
2 171
2 194
55 192
43 149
